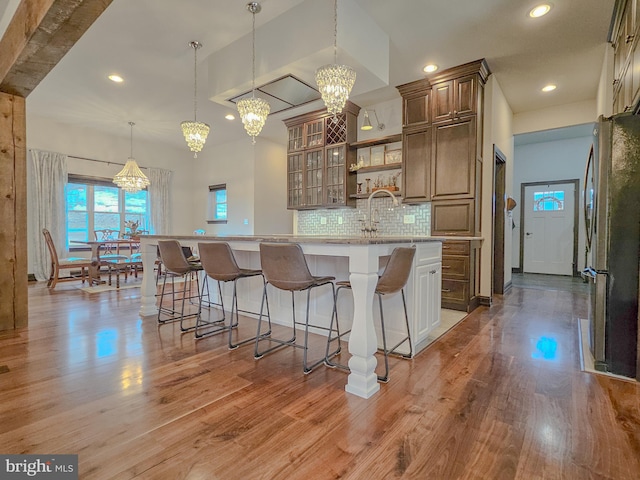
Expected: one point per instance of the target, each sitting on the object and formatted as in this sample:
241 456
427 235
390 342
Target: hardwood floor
500 396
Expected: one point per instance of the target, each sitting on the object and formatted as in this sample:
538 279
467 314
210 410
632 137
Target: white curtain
46 207
159 201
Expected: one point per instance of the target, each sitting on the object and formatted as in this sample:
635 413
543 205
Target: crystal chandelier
335 81
195 133
253 111
130 178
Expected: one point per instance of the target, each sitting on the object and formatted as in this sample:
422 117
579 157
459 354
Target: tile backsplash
345 221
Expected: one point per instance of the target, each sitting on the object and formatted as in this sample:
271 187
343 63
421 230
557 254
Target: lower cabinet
460 270
428 280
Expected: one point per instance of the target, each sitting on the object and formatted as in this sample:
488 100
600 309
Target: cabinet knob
446 290
433 272
629 38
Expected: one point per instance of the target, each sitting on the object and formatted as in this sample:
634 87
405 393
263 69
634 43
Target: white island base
358 259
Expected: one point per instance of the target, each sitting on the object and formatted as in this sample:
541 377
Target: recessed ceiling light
548 88
229 116
115 78
540 10
430 68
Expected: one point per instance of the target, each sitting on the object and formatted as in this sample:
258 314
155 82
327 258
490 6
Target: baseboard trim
507 287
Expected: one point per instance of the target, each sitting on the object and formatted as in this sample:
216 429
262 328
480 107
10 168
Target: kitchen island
357 259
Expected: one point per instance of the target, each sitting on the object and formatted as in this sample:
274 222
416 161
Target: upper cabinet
454 98
442 144
318 157
625 37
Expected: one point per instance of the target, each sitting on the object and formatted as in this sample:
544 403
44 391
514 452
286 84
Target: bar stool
220 264
176 265
284 267
393 279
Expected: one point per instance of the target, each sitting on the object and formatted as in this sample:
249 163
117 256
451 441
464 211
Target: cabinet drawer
454 290
453 247
455 267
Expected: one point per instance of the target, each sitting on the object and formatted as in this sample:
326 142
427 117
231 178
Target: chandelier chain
253 55
335 31
132 124
195 81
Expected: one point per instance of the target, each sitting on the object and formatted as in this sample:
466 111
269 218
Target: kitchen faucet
369 228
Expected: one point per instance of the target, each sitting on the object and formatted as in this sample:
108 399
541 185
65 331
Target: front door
549 211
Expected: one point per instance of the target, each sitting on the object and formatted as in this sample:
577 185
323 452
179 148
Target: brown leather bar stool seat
393 280
220 264
285 268
176 265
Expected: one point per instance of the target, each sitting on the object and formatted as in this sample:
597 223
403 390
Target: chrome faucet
369 228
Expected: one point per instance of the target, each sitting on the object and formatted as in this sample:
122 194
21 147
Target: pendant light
130 178
253 110
195 133
335 81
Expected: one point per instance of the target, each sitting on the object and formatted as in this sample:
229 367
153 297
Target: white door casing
549 229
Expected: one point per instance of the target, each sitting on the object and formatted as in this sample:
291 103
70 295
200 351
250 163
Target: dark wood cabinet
318 157
416 149
625 37
442 164
453 161
454 98
460 286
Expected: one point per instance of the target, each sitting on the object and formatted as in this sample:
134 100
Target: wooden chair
69 263
110 249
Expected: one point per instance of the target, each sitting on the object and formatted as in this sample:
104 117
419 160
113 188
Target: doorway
549 227
498 212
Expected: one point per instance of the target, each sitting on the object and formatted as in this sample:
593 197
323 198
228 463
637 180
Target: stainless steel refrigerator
612 218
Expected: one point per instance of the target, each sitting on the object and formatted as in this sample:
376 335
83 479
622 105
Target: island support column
363 344
148 288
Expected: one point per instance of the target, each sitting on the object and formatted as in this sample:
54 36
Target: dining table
97 261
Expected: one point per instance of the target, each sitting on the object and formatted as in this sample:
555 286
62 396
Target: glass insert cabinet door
313 168
294 180
334 180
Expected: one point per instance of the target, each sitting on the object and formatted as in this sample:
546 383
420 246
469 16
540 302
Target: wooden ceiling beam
39 35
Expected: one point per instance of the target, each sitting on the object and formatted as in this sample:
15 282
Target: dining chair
285 268
220 264
69 263
176 265
393 280
110 249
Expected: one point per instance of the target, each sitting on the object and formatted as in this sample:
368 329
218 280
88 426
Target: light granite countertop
349 240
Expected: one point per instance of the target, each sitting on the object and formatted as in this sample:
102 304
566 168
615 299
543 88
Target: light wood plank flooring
500 396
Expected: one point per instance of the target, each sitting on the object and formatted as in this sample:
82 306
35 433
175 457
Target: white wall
255 176
548 161
604 100
498 131
555 117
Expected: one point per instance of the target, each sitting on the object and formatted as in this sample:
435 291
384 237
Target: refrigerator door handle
588 219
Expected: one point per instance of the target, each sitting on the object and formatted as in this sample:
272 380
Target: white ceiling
146 41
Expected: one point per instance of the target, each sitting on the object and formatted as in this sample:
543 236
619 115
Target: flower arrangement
132 225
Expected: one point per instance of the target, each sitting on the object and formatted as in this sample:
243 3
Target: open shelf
376 141
397 193
378 168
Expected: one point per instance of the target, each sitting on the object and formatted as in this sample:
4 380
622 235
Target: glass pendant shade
335 83
130 178
254 112
195 133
